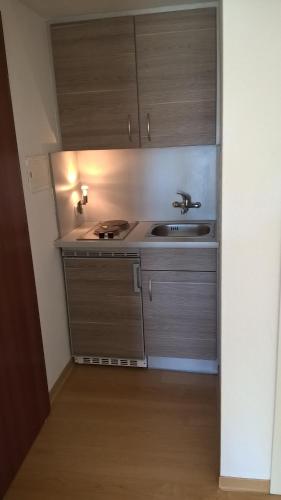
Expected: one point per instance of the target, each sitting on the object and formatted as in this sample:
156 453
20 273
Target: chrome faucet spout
186 203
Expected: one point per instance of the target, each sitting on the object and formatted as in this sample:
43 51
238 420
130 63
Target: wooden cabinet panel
180 314
114 340
182 259
105 310
99 120
178 124
94 56
96 75
177 21
176 60
96 83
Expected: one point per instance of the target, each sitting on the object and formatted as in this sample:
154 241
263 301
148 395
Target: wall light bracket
84 199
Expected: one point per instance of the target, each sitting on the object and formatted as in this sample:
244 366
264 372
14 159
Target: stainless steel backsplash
137 184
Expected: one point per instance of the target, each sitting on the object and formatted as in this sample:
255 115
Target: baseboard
183 364
61 381
243 484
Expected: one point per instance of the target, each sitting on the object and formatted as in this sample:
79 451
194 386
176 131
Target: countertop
138 238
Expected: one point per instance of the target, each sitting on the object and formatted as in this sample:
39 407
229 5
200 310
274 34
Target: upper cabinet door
95 73
177 77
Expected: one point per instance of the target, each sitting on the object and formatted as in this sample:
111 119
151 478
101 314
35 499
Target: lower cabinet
116 313
180 310
105 307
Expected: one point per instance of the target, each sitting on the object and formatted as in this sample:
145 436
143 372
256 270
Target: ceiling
60 9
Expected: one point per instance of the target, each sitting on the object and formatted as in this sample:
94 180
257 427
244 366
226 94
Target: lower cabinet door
105 307
180 314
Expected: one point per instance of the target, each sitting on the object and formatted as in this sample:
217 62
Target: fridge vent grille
96 360
100 254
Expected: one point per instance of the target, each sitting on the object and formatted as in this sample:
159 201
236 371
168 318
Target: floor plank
130 434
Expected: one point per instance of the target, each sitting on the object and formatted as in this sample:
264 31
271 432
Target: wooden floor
127 434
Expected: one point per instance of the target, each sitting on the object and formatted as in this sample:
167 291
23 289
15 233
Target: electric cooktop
109 230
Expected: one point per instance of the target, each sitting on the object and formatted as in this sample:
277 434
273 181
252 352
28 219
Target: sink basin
182 230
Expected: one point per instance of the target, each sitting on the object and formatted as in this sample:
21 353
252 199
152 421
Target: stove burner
109 230
111 226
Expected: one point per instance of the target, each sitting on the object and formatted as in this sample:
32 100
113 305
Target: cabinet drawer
182 259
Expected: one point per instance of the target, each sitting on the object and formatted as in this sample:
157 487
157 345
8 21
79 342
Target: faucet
186 202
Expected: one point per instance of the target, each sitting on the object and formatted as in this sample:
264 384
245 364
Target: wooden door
176 61
24 397
179 311
95 72
105 310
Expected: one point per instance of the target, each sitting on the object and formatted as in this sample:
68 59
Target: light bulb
85 190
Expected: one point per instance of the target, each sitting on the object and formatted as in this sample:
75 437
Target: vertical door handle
130 128
137 281
148 126
150 290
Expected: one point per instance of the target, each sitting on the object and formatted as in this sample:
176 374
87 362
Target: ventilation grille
101 254
95 360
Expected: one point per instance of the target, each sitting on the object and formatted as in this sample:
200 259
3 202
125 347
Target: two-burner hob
109 230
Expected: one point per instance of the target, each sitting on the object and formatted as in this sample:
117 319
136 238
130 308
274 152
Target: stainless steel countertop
138 238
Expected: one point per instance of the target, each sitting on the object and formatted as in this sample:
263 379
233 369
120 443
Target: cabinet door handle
136 274
150 290
148 126
129 128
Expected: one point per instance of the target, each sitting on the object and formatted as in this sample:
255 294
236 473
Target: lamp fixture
84 199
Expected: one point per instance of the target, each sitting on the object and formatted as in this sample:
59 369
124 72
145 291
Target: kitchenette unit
137 188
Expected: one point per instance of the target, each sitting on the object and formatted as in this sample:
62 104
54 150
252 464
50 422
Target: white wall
66 180
251 217
34 107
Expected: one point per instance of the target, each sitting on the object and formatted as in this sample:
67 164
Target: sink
182 230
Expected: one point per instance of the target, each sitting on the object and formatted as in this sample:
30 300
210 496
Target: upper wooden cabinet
96 83
176 59
158 70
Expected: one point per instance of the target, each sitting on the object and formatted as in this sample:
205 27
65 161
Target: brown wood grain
176 61
96 83
177 21
94 56
182 259
178 123
115 339
23 386
104 310
99 120
180 314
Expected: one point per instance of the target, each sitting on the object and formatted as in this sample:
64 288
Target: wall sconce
84 199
